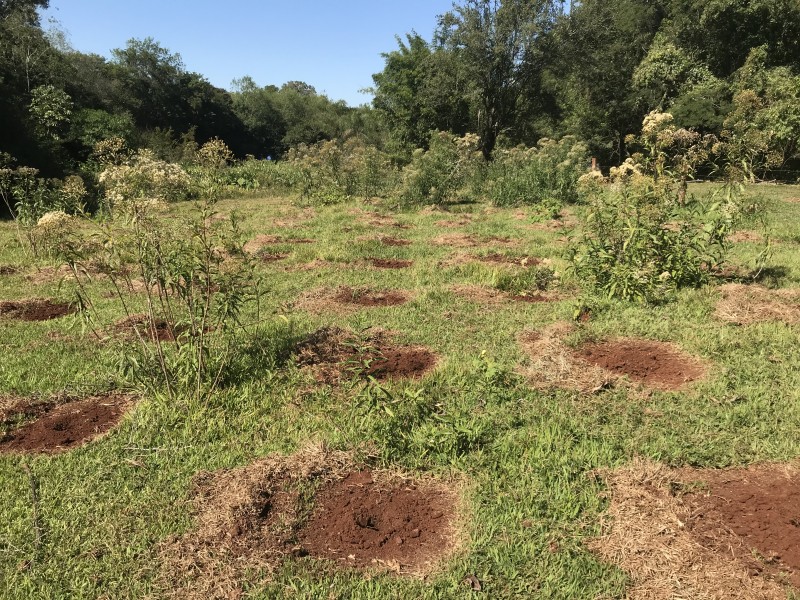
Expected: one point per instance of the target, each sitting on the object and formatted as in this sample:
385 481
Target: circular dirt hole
392 241
654 364
396 363
51 427
390 263
35 310
359 523
370 297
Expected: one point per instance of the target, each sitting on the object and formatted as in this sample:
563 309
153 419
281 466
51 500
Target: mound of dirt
707 534
37 309
55 427
390 263
361 523
367 297
334 354
746 304
392 241
315 503
655 364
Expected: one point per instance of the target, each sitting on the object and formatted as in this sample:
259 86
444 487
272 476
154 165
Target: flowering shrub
142 182
547 174
214 154
436 175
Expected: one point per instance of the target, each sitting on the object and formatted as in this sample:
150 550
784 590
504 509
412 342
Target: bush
546 175
435 176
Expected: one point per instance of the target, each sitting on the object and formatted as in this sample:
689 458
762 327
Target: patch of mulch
8 270
390 263
505 259
333 354
746 304
316 503
55 427
393 241
37 309
360 522
654 364
702 533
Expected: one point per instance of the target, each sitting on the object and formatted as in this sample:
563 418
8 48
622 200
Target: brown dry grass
746 304
643 534
246 520
553 364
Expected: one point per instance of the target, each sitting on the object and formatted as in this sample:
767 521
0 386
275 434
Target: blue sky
334 46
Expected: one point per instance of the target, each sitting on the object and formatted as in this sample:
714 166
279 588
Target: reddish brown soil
532 298
35 310
753 515
391 363
370 297
390 263
392 241
521 261
651 363
58 427
360 523
159 329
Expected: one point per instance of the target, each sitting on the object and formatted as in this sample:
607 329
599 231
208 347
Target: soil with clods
390 263
359 522
55 427
333 354
315 504
703 533
37 309
654 364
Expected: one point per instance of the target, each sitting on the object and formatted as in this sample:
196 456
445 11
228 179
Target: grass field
521 456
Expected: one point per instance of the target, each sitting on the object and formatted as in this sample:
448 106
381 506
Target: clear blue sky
333 45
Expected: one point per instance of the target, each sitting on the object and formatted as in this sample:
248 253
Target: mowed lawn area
424 404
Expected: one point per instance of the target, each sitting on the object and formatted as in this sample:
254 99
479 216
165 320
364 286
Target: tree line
510 71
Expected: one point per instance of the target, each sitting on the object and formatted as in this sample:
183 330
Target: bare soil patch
271 257
260 241
368 297
333 354
654 364
57 426
746 304
393 241
8 270
315 503
705 534
490 296
346 299
133 326
390 263
36 309
745 235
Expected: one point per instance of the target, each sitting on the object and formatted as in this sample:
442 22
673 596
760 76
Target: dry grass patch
316 503
650 532
746 304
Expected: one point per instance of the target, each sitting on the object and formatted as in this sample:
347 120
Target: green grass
526 455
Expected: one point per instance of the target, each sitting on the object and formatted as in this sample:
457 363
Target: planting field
423 404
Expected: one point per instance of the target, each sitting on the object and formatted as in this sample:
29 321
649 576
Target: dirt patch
685 533
745 236
315 503
491 296
8 270
258 242
368 297
461 240
793 200
37 309
55 427
393 241
552 363
654 364
450 223
345 299
746 304
271 257
390 263
134 326
505 259
360 522
333 354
